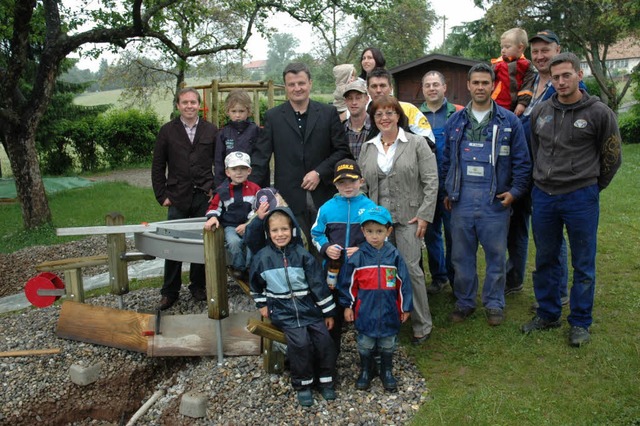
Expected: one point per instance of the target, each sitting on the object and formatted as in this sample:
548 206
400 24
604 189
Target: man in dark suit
306 139
182 178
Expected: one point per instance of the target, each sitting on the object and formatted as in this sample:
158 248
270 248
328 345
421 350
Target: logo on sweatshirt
390 278
580 123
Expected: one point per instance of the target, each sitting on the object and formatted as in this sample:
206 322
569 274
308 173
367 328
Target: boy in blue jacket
377 296
336 232
288 287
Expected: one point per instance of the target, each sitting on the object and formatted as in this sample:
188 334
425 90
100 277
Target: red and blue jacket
233 204
378 289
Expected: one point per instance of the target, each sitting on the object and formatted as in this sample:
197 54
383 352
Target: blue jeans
474 220
440 265
579 212
368 346
518 245
240 256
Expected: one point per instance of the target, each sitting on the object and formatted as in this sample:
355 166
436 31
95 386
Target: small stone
193 404
83 376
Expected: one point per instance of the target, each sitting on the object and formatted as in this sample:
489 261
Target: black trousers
172 268
311 353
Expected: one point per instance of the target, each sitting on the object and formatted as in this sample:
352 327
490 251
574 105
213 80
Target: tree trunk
21 149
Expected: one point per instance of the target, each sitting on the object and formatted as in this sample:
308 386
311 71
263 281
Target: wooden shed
408 77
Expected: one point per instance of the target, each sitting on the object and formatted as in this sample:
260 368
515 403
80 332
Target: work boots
386 367
364 379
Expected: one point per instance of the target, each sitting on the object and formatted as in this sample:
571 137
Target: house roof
625 49
261 63
434 57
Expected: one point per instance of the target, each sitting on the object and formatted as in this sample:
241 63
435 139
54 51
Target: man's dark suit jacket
179 166
322 145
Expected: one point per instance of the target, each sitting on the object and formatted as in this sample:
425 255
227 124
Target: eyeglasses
388 114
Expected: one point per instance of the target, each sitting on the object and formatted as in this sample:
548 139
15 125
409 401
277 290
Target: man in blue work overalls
487 166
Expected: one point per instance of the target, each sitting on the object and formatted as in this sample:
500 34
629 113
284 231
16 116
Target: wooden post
270 94
73 285
256 107
215 94
215 265
116 246
272 360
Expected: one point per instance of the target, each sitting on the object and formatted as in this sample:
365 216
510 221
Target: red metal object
43 281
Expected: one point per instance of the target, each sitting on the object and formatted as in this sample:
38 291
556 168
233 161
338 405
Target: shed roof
434 57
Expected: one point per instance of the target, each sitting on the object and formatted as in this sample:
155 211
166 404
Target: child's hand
264 311
240 229
209 224
405 316
329 323
351 250
334 251
519 109
348 314
263 210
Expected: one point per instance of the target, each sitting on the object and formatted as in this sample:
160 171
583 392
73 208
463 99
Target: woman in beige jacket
401 174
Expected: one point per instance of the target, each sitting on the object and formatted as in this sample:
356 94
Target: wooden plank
72 263
216 274
74 285
104 326
266 330
195 335
30 352
116 246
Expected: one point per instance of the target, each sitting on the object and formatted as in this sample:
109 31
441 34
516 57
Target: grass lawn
479 375
476 374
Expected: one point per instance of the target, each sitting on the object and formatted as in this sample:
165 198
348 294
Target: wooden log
31 352
117 246
215 274
72 263
104 326
266 330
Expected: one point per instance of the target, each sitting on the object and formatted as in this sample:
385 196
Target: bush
629 124
127 136
592 86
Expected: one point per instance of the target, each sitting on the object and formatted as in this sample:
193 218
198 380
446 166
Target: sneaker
459 315
538 323
564 300
578 336
305 398
416 341
328 394
437 286
513 289
494 316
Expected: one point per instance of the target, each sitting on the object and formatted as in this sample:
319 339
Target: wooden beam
30 352
116 247
215 267
266 330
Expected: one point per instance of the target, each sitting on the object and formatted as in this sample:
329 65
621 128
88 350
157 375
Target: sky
456 12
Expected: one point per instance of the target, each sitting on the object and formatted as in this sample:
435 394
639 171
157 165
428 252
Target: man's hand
264 311
240 229
310 181
447 203
422 227
334 251
167 202
506 198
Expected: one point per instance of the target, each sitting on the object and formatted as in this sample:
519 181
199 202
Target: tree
590 27
39 34
282 48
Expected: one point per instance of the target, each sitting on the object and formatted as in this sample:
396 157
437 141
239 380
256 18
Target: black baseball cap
546 35
347 169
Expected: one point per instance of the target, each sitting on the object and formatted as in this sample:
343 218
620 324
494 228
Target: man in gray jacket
576 152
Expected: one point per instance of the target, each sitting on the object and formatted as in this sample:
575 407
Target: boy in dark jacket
377 296
239 134
288 287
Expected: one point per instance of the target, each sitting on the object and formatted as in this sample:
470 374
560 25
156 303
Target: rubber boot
364 379
386 375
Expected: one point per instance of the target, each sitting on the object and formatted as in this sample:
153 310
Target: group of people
365 193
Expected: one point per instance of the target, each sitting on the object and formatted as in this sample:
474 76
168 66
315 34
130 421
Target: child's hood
296 232
343 72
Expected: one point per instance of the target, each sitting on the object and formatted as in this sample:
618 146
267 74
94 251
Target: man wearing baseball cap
544 46
357 127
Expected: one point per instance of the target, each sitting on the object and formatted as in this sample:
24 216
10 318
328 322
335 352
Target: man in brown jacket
182 178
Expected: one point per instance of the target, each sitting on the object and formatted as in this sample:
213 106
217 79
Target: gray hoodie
574 145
